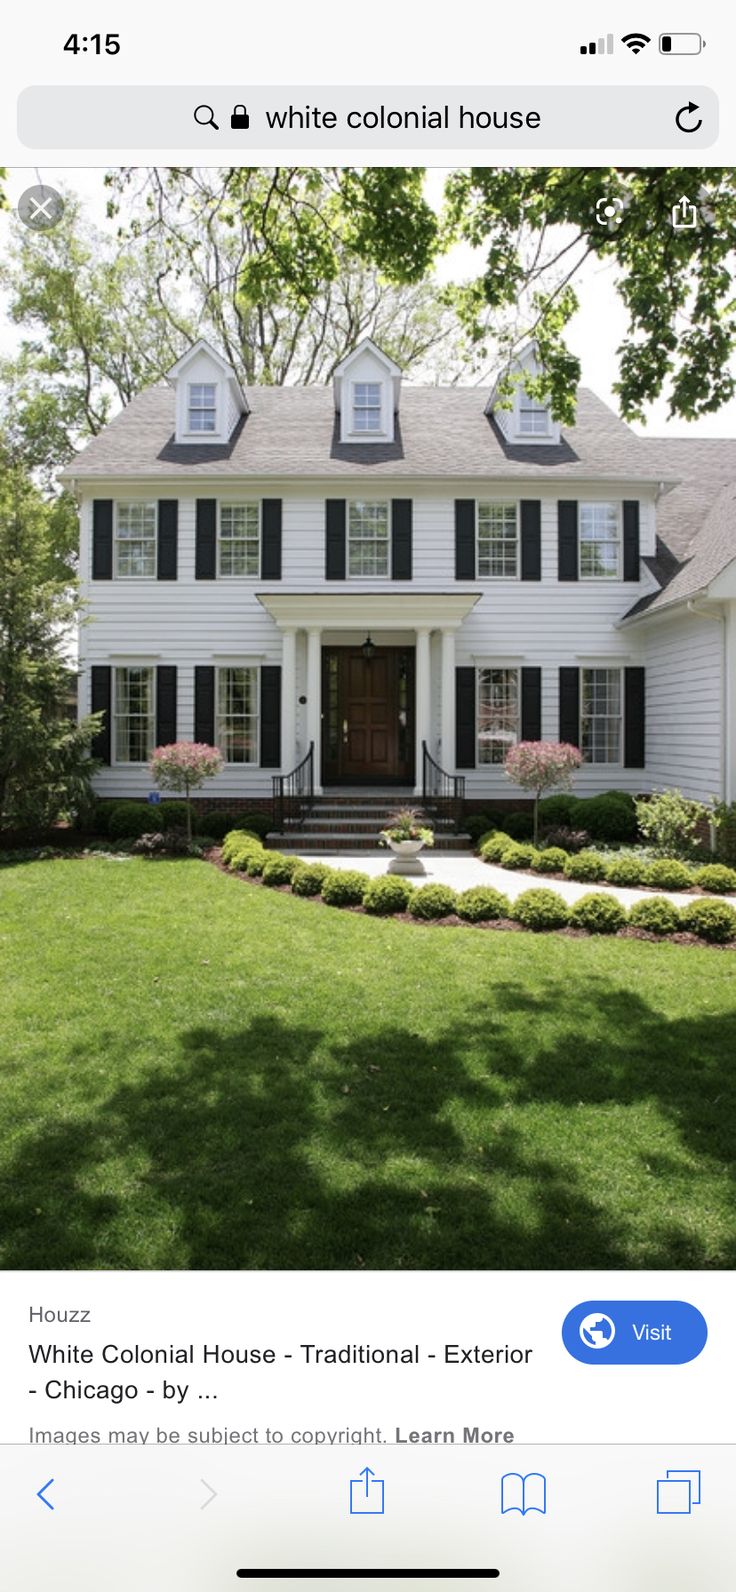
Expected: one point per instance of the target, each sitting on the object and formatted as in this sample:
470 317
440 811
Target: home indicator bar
369 1575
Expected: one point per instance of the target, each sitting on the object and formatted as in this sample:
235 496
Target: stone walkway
463 871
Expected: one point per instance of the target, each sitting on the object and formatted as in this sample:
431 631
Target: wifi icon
636 41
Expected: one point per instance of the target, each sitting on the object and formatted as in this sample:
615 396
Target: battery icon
681 43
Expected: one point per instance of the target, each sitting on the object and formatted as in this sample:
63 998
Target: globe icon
597 1331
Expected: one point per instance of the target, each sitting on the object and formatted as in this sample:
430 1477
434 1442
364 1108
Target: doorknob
344 729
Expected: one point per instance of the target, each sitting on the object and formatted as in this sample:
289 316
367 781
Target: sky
593 335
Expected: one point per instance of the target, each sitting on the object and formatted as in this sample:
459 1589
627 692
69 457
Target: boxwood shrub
610 816
540 909
598 913
309 877
495 845
256 860
433 901
518 856
238 846
519 825
668 874
712 920
586 866
172 815
279 869
344 887
481 904
655 914
626 869
551 860
129 820
716 878
388 894
554 810
477 825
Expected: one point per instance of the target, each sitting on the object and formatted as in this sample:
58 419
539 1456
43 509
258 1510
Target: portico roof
376 610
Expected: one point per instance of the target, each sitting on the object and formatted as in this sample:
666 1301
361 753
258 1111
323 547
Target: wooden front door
368 716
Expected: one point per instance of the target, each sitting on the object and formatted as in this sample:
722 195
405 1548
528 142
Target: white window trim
124 503
203 436
136 663
381 434
527 435
508 668
237 503
351 503
602 580
610 667
240 663
501 503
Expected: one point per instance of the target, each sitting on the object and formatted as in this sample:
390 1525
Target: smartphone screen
367 799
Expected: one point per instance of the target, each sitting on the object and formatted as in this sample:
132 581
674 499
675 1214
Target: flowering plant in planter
184 766
404 825
538 766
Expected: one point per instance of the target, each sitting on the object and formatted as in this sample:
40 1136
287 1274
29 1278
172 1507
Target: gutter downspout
719 619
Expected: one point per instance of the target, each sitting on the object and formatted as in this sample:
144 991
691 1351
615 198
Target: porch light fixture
368 649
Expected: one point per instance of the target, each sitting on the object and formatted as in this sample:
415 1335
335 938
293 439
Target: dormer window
367 406
533 417
202 406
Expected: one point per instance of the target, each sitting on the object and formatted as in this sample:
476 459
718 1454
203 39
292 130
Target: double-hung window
498 713
601 715
600 541
533 416
368 538
135 540
202 409
237 714
240 539
134 715
498 538
367 406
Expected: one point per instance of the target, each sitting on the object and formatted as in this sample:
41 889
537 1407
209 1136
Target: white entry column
423 702
288 700
447 701
314 700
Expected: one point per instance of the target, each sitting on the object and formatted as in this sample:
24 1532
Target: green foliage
387 895
518 856
586 866
716 878
625 869
668 820
256 860
519 825
256 823
711 920
279 869
433 901
567 839
540 909
128 820
655 914
170 815
166 843
238 847
724 818
598 913
478 826
554 810
344 887
610 816
494 847
551 860
218 823
668 874
308 878
482 904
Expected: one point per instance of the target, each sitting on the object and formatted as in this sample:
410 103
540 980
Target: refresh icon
685 111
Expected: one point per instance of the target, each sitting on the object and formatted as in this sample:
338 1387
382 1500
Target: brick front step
342 840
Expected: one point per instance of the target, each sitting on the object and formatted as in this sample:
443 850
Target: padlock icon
240 117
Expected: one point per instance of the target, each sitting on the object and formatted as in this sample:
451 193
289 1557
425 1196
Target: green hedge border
590 867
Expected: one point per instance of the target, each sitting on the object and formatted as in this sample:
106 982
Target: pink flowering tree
539 766
183 767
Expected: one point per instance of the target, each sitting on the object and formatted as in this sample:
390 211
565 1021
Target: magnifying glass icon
206 120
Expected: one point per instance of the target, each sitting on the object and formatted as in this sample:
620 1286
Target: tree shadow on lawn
262 1149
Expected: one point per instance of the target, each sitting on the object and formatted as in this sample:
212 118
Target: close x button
634 1332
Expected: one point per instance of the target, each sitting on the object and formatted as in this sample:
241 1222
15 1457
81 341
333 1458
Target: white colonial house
370 569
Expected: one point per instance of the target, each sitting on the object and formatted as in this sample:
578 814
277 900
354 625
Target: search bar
379 117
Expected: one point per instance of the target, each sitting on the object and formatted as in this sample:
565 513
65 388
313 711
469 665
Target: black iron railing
442 793
293 794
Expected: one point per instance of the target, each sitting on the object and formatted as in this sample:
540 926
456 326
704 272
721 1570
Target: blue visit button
634 1332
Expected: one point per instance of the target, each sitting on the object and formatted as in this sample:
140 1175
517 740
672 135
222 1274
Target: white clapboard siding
685 715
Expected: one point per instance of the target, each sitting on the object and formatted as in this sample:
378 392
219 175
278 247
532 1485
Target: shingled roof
292 433
696 522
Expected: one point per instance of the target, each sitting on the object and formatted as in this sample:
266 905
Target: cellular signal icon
601 47
636 42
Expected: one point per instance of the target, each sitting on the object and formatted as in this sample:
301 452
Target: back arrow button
688 110
44 1489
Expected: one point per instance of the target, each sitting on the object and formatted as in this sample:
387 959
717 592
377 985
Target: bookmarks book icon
524 1493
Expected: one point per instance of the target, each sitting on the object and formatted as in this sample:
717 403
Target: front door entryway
368 716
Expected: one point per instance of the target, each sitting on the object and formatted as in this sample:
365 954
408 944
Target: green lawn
195 1072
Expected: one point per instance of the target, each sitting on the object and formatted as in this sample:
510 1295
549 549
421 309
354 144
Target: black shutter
205 558
335 519
204 704
271 539
271 716
634 719
165 704
531 541
465 718
567 541
102 539
102 703
401 525
570 706
465 541
631 542
168 537
531 704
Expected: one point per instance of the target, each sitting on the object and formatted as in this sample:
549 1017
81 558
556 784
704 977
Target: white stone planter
406 859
